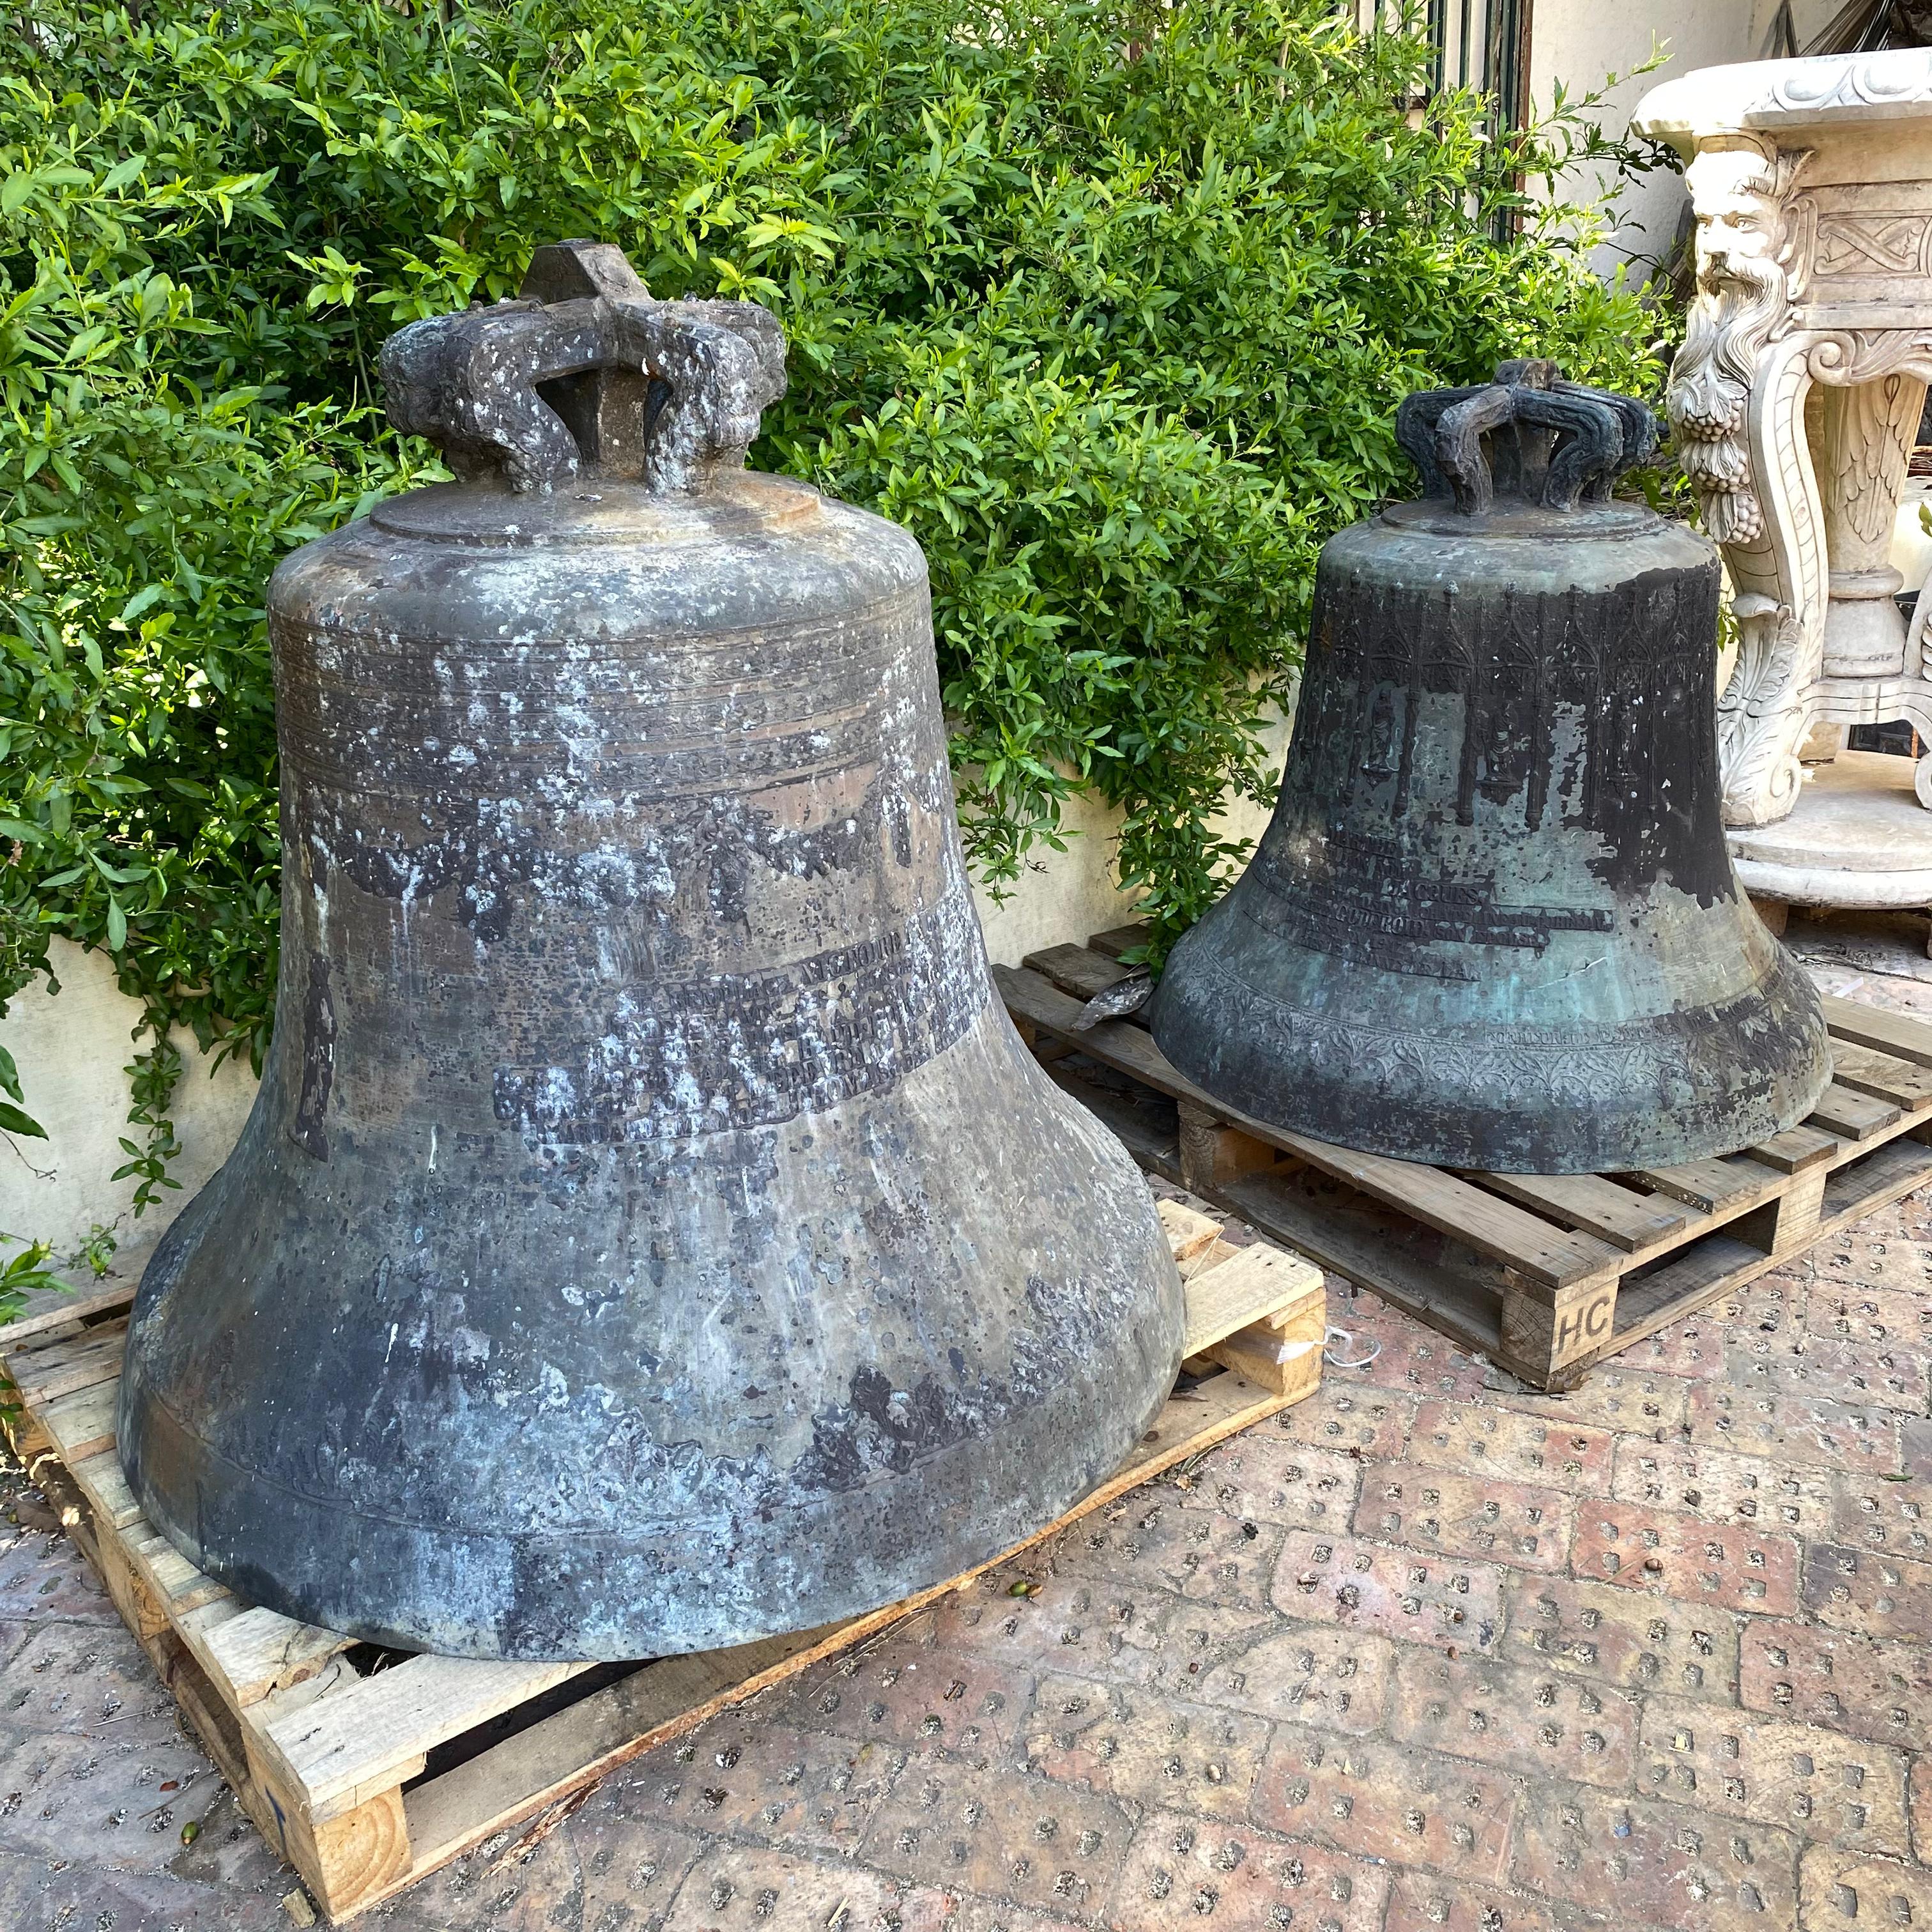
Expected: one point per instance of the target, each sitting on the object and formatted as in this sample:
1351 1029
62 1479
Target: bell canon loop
1493 922
651 1233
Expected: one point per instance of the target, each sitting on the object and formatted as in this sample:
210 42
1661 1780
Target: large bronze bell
651 1233
1493 923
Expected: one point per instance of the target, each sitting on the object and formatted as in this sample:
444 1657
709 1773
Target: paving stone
1872 1593
60 1793
1383 1801
1893 1374
83 1677
1252 1660
609 1869
1771 1304
1634 1641
1864 1687
1710 1564
64 1895
1656 1863
1262 1479
42 1575
1735 1764
1001 1834
1724 1486
1139 1744
752 1778
1846 1891
971 1914
1350 1415
1879 1512
1542 1723
1486 1437
1921 1806
1692 1348
1363 1585
1414 1360
1614 1397
1182 1871
897 1695
734 1887
1894 1317
1069 1622
1457 1515
1150 1541
1788 1428
1421 1902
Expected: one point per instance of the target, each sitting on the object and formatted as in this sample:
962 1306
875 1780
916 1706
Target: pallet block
366 1779
1546 1274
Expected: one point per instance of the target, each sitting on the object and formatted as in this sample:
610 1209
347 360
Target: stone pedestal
1794 401
1859 835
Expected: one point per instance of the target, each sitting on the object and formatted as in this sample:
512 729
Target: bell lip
993 1539
1605 1137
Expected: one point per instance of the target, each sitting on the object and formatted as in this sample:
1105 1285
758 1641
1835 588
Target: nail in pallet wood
366 1781
1545 1273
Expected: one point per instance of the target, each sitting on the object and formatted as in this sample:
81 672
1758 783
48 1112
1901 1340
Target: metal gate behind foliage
1479 43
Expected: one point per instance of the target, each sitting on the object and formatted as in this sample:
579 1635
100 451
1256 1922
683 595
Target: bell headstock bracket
585 374
1531 434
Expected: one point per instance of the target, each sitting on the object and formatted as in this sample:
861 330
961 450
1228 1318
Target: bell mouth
596 510
1301 1040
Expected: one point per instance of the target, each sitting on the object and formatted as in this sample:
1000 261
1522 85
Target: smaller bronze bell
1494 923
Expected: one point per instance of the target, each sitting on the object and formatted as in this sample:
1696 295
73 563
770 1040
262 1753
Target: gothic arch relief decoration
1796 395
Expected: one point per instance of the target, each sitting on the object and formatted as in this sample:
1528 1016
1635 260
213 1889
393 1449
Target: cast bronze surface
1493 923
651 1234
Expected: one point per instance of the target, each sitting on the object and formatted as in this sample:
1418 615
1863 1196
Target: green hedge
1110 305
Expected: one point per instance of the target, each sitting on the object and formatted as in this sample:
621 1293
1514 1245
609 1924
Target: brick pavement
1429 1653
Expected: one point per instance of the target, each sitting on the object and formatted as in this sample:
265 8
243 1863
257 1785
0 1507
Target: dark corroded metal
651 1233
1493 923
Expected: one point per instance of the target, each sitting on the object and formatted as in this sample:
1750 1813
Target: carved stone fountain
1795 398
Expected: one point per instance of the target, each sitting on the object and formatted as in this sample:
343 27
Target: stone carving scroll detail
1737 403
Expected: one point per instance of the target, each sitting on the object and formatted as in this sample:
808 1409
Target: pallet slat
1727 1185
1899 1034
1077 972
1865 1069
83 1424
1797 1148
1843 1110
341 1750
261 1651
1628 1220
73 1362
1253 1283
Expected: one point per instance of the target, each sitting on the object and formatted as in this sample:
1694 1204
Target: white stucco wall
1577 43
70 1049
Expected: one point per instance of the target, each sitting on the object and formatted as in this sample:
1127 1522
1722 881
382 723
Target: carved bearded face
1739 192
1739 219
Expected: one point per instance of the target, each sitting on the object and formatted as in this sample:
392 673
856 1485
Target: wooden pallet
1545 1273
365 1780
